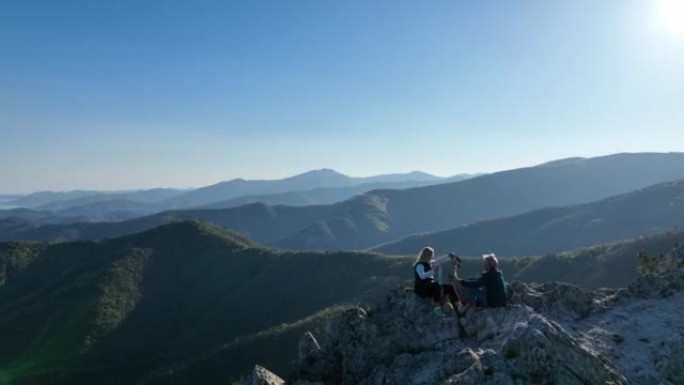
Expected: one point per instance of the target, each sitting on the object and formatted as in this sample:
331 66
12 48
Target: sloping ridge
647 211
610 265
77 312
109 304
255 221
192 230
506 193
362 220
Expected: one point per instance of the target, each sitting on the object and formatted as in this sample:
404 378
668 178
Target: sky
128 94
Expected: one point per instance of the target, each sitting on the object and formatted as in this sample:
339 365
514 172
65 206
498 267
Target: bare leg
461 292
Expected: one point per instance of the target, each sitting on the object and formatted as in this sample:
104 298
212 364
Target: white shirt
434 265
420 270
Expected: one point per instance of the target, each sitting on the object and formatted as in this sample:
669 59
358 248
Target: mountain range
386 215
323 178
316 187
50 200
383 216
643 212
199 304
160 299
330 195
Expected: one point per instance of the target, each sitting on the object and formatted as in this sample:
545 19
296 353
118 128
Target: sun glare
672 15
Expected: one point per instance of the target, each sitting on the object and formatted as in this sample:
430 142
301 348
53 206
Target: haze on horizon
128 94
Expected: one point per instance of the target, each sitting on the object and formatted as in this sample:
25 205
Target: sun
672 15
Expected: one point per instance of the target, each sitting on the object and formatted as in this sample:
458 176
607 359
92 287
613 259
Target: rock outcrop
308 345
404 342
263 376
548 334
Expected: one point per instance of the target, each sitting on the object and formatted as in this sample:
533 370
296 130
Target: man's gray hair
491 258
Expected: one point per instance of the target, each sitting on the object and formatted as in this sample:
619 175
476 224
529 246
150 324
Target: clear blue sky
132 94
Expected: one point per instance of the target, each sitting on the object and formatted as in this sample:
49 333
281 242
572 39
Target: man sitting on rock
489 289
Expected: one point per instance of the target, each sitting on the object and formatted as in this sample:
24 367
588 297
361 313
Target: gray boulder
555 299
540 351
262 376
491 324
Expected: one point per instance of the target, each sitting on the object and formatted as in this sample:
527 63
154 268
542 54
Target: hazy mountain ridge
501 194
89 206
383 216
109 210
323 178
51 200
45 197
35 216
11 197
328 195
642 212
311 188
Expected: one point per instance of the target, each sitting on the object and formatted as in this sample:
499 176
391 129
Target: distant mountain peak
321 171
562 162
418 172
327 170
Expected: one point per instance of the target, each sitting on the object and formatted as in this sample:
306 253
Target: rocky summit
548 334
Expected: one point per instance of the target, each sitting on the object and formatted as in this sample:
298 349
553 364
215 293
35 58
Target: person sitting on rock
489 289
424 271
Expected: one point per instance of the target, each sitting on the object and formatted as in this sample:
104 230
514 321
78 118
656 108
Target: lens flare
672 15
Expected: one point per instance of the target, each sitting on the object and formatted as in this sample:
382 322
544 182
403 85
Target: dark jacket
417 278
493 282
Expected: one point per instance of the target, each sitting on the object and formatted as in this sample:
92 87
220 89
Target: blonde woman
424 271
